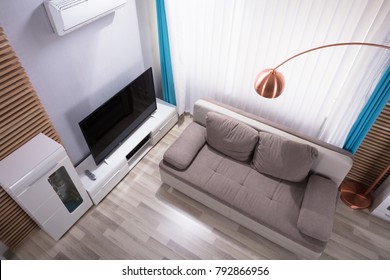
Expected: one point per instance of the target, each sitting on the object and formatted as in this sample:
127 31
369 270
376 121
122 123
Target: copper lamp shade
269 83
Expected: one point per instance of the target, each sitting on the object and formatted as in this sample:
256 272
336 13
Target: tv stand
116 166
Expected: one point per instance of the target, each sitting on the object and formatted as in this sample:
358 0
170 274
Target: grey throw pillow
231 137
283 158
183 151
318 208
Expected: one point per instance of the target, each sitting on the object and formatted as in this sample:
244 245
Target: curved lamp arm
269 83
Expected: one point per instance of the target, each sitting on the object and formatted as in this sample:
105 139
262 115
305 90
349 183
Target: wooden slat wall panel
15 224
373 155
22 116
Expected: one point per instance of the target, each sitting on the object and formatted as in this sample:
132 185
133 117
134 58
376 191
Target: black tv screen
106 127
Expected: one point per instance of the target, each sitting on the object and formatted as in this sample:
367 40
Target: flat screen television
106 127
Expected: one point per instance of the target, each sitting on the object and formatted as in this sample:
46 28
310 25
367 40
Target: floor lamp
270 83
357 196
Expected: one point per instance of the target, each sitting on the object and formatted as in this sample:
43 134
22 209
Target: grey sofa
279 184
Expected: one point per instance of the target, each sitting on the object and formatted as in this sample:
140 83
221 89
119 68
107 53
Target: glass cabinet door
65 189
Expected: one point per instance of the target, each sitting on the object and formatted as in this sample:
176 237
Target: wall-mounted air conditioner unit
68 15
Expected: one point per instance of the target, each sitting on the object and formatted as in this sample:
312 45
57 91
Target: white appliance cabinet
381 204
40 177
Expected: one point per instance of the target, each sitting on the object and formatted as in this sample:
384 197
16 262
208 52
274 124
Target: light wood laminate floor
143 219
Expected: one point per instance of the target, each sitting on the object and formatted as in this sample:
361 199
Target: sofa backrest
332 162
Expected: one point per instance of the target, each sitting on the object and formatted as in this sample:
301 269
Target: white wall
75 73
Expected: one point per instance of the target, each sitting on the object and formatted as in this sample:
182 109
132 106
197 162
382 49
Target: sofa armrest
318 208
182 152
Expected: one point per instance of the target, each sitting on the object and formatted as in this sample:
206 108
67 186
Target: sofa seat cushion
273 202
231 137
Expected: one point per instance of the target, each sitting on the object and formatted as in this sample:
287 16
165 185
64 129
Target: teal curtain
165 55
369 114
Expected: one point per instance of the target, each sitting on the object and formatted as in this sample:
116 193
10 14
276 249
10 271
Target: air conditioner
68 15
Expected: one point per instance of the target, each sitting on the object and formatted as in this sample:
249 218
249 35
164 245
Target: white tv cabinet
112 170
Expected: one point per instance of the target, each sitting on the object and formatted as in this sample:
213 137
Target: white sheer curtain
218 47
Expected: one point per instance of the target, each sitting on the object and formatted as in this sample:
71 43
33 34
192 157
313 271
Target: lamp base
352 194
